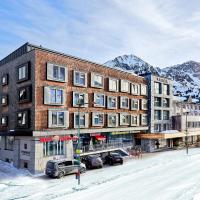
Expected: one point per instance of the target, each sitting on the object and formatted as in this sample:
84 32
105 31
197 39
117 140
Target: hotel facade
40 92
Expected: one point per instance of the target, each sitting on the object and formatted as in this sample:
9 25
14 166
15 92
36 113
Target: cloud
159 31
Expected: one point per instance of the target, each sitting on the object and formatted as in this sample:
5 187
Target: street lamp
186 133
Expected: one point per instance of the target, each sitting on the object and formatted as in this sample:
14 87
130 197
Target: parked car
113 158
60 168
92 161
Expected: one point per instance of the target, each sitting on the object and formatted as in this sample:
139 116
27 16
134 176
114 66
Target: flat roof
27 47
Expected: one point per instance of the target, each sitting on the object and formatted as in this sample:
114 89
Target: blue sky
162 32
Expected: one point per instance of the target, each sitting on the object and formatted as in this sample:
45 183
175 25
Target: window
53 148
134 120
143 89
157 127
124 119
134 104
157 115
99 100
4 79
83 120
124 86
54 95
97 80
23 72
134 89
4 121
157 101
157 88
4 100
111 102
166 89
80 99
25 146
97 119
166 102
144 104
80 79
23 119
144 119
165 115
56 72
24 94
9 143
124 102
166 127
113 85
112 120
58 118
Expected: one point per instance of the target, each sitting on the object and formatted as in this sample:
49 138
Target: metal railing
106 146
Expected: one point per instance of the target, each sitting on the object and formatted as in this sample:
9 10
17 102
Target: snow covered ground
171 175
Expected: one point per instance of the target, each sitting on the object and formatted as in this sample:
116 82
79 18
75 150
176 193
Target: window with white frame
135 89
80 99
134 120
81 119
157 102
143 89
157 88
4 100
166 102
113 85
165 89
56 72
80 78
23 72
134 104
124 119
4 79
99 100
157 115
157 127
144 119
124 86
54 95
97 80
124 102
53 148
144 104
165 115
112 120
4 121
23 119
111 102
9 143
58 118
97 119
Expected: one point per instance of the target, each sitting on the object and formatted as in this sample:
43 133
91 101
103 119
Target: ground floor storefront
160 141
33 153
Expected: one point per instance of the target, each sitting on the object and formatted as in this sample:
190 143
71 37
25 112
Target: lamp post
186 133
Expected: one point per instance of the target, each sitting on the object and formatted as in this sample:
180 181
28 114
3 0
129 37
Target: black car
92 161
113 158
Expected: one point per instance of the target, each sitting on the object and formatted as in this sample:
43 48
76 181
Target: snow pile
168 176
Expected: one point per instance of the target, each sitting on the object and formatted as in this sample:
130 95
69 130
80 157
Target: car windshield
76 162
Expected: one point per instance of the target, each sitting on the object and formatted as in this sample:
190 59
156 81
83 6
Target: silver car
60 168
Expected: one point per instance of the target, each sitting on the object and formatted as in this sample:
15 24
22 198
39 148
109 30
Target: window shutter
86 120
64 97
47 95
73 100
138 120
66 74
86 100
66 119
86 82
49 118
92 79
75 125
49 71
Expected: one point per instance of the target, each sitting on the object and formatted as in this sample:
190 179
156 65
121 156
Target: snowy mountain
186 76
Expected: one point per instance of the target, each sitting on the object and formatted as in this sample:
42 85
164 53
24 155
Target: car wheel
121 163
60 175
82 170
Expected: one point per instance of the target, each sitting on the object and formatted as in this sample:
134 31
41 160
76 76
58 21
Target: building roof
27 47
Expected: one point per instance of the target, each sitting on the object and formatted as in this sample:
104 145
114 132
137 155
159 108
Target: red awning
100 137
75 137
63 138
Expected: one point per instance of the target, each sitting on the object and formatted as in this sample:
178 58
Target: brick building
39 117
